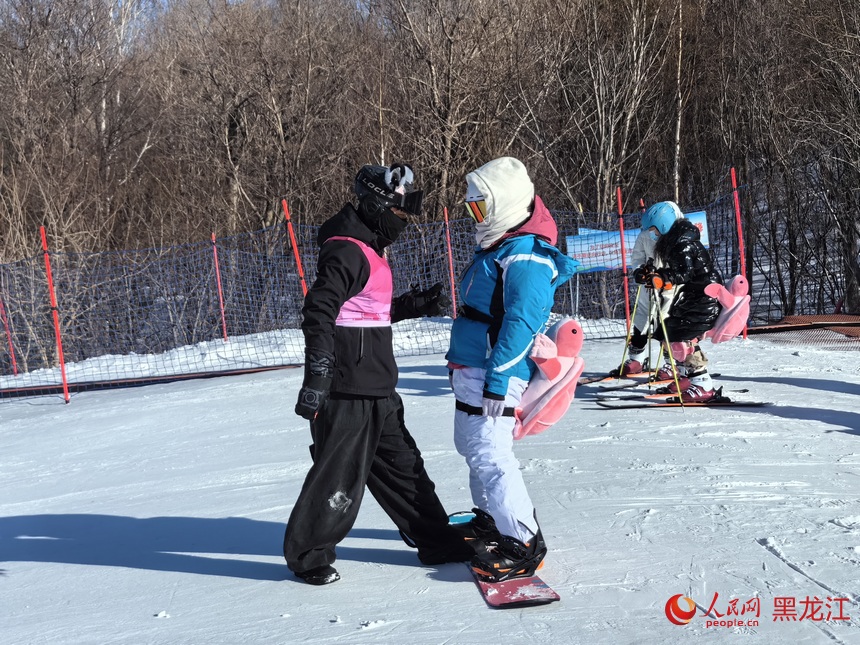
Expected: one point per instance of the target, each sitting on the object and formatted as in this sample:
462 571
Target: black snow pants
358 442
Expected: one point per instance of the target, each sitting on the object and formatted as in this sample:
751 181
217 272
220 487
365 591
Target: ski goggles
477 210
409 202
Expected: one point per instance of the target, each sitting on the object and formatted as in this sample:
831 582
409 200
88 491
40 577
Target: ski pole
652 299
629 332
671 356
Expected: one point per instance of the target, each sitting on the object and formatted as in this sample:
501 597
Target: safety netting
233 304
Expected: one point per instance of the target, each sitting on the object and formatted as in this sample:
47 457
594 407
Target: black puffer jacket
687 263
364 356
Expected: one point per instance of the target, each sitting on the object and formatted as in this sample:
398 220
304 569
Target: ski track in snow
770 546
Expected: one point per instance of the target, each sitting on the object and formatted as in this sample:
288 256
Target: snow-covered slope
156 514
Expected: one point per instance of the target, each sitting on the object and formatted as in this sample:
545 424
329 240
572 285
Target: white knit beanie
505 186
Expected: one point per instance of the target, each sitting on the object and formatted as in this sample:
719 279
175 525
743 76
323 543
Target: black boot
323 575
480 527
440 554
509 558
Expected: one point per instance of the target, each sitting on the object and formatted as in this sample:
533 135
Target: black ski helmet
379 188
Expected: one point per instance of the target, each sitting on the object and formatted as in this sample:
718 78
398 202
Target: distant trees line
136 123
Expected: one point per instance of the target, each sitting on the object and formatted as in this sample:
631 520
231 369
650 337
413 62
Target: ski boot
636 363
700 390
665 373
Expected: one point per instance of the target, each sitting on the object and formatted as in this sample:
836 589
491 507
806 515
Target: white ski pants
495 479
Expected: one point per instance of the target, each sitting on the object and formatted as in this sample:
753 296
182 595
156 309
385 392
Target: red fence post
220 291
8 337
741 251
623 258
450 264
295 247
56 313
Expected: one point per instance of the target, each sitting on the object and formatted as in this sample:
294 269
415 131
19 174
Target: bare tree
833 37
446 90
607 111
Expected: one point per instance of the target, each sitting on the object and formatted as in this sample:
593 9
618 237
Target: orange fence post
741 251
623 259
56 314
450 264
295 247
220 291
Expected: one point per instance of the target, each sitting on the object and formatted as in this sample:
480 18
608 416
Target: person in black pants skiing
357 419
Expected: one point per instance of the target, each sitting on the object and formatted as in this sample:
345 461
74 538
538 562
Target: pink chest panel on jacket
371 307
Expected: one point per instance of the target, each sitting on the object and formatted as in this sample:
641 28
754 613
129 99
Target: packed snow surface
156 515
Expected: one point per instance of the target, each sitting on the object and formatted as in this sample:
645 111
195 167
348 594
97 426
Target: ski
508 594
640 383
648 395
636 379
722 402
599 378
631 384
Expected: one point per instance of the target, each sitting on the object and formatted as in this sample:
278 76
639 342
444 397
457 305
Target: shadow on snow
181 544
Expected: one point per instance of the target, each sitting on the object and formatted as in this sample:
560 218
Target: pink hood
540 223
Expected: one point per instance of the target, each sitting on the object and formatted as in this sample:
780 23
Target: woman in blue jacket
507 294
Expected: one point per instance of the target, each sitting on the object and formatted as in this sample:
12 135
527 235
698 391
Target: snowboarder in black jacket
357 419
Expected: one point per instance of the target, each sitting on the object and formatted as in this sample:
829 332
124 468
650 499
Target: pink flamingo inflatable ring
736 309
551 390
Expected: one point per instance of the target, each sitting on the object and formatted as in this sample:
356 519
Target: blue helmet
661 216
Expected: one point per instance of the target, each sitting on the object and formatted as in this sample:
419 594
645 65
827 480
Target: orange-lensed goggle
477 210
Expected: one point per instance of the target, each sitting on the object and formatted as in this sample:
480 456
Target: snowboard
509 594
517 592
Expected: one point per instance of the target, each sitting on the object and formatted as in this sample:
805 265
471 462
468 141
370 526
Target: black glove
641 275
319 371
416 303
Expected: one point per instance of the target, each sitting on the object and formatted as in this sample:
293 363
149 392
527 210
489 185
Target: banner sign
601 250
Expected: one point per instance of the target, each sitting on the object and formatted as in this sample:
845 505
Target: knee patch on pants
696 361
